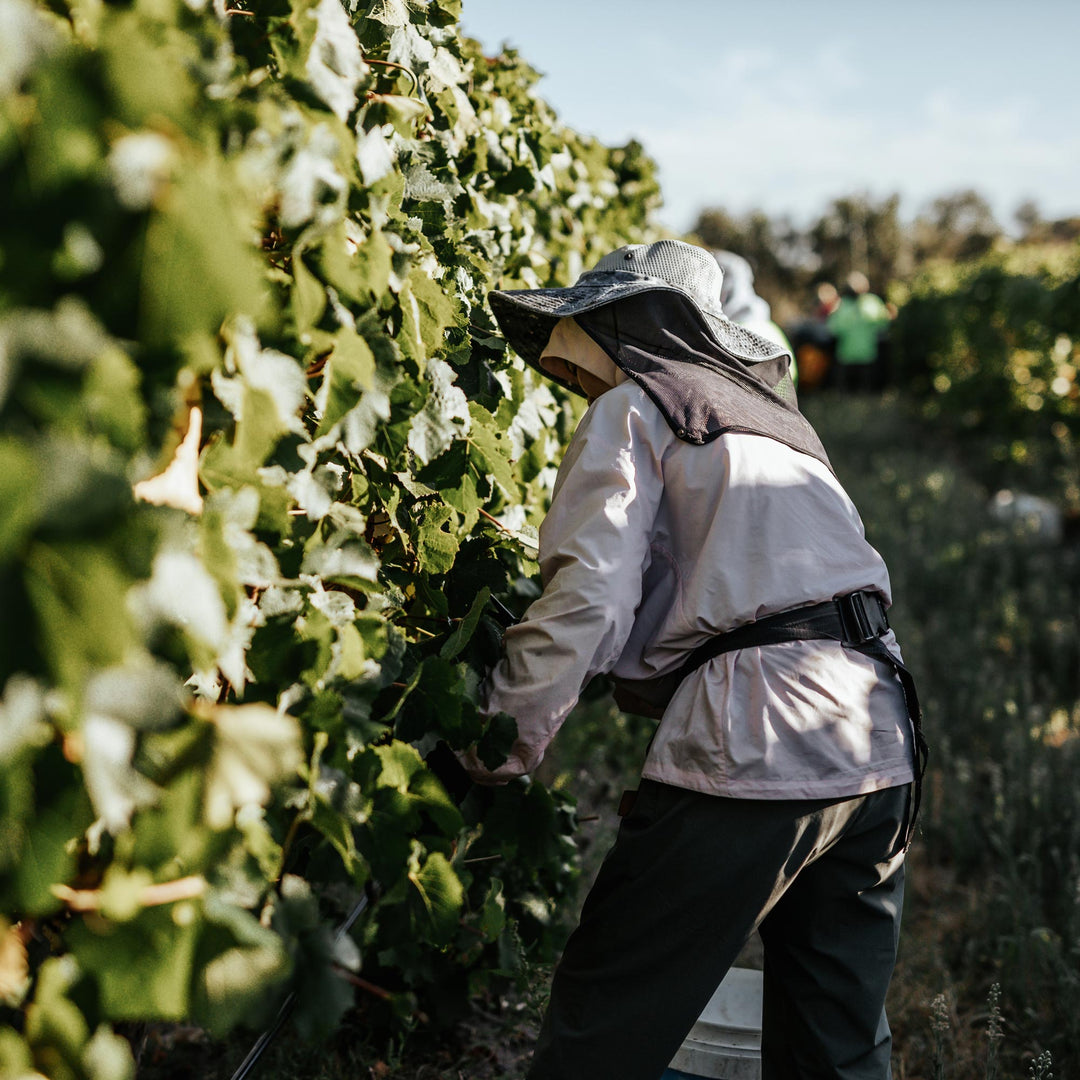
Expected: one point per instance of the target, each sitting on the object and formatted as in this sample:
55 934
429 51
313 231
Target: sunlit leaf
445 415
349 371
440 894
335 63
255 747
436 541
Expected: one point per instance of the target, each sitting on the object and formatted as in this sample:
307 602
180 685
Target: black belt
857 620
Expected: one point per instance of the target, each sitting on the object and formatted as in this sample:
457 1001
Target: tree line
859 232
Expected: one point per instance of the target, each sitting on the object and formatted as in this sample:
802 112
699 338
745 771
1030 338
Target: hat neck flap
702 389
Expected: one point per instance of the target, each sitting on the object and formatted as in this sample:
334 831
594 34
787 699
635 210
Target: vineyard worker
695 499
856 324
742 305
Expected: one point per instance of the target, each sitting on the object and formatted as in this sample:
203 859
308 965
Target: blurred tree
1063 230
1029 218
716 228
859 232
1035 229
956 226
856 233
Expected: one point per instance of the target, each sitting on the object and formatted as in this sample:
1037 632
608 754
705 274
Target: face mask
573 357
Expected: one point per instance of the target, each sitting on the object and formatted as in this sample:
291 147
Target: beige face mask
573 356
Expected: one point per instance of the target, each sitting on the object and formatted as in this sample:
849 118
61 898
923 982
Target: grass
987 619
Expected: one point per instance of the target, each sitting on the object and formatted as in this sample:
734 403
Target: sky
784 106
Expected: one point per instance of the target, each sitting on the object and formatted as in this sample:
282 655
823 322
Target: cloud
788 137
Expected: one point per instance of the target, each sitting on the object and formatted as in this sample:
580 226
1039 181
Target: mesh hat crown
527 316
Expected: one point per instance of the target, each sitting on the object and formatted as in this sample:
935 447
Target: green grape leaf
398 764
53 1019
436 541
338 804
489 450
335 64
47 856
373 258
113 402
322 995
444 417
78 593
427 311
20 488
403 114
255 747
349 371
495 744
144 966
438 897
492 915
464 631
436 700
144 693
308 295
238 964
198 225
16 1057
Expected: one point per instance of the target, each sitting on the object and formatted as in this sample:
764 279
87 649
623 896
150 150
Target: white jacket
651 546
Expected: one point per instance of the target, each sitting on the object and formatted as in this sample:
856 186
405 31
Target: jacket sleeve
594 549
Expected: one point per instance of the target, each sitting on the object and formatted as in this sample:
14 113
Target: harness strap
857 620
854 619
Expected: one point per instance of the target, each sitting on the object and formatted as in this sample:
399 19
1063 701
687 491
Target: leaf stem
401 67
495 521
525 542
286 844
363 984
378 991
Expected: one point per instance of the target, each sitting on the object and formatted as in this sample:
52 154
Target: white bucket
725 1043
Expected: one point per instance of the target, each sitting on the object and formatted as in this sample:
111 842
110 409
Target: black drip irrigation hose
287 1006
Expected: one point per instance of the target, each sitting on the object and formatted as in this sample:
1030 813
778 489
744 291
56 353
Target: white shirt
651 546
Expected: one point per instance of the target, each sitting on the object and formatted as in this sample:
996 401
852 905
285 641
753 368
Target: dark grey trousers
688 880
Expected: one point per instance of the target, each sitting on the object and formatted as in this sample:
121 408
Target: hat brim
527 317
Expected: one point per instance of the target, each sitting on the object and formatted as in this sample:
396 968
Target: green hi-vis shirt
856 324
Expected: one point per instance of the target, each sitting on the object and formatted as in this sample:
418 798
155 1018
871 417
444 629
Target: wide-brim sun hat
655 309
527 317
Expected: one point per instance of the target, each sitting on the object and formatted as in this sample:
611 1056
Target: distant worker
828 300
856 324
743 305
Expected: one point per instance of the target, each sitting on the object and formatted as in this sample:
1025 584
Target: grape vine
262 462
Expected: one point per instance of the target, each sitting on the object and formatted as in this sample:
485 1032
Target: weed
994 1032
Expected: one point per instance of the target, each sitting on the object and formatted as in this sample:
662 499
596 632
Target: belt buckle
859 628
